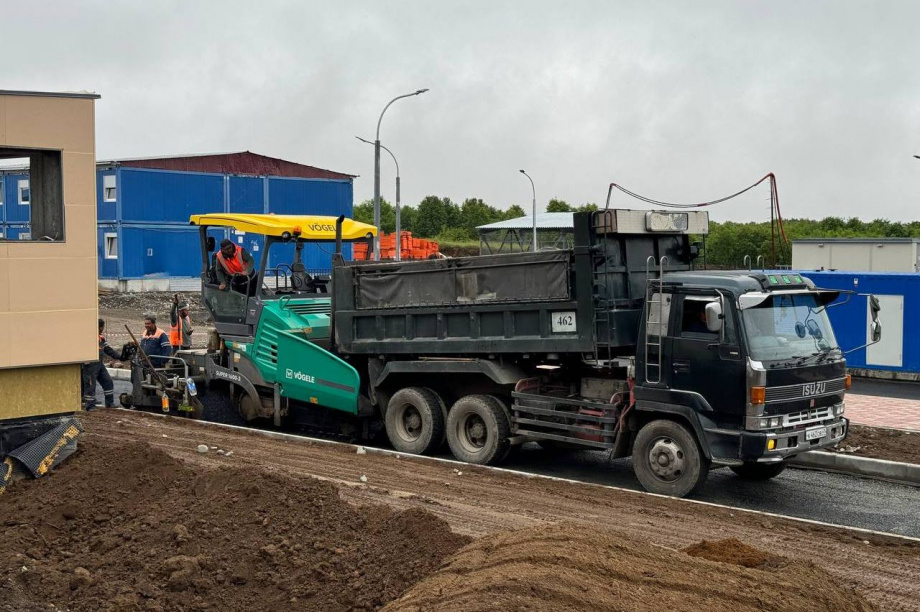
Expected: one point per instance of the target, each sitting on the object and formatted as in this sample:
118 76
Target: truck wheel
667 459
758 471
478 430
414 421
443 443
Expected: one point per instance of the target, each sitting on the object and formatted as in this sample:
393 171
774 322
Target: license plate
814 434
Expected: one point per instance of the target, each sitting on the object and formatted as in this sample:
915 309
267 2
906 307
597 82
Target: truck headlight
774 422
839 408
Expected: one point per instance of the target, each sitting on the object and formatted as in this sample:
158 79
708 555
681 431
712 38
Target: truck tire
758 471
478 430
667 459
442 445
414 421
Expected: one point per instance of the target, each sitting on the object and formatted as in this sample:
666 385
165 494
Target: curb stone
906 473
119 374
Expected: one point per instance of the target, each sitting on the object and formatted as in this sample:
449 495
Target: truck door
704 362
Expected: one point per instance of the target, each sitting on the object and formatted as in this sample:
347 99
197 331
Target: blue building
143 205
897 355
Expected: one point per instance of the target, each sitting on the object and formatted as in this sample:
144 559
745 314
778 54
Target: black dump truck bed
582 300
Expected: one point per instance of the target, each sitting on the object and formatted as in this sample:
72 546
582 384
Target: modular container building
870 254
896 356
144 239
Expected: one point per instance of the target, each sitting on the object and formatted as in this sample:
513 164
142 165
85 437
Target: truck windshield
787 327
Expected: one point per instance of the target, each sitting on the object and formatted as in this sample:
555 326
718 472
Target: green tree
557 206
364 212
514 211
589 207
434 215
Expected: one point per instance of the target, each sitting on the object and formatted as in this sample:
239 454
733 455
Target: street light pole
398 208
377 171
534 210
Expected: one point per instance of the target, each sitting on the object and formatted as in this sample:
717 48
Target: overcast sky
679 101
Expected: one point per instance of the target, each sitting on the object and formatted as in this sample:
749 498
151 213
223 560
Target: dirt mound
130 528
569 568
735 552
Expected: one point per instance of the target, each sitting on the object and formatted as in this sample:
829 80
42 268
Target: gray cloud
679 101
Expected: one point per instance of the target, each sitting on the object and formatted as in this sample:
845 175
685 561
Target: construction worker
180 325
231 261
155 342
97 371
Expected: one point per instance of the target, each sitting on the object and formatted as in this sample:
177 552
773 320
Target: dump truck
617 344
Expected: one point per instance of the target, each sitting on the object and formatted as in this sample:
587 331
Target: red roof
245 162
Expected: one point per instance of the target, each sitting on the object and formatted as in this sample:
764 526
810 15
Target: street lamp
377 171
398 209
534 211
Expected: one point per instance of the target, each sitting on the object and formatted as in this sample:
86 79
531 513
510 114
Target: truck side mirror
211 243
714 316
876 327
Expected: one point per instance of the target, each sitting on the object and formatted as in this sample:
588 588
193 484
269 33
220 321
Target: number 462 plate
563 322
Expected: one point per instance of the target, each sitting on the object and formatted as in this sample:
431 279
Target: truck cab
749 361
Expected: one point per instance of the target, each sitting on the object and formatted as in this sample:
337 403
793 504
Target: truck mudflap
575 421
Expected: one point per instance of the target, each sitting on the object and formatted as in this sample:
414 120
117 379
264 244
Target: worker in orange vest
230 261
180 325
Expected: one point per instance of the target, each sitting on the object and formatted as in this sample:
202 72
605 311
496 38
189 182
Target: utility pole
377 170
398 208
534 190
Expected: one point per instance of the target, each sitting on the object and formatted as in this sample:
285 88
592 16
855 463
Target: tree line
728 242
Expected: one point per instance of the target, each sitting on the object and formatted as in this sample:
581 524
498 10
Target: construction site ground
478 502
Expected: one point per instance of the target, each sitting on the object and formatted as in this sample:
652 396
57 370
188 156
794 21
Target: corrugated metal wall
900 317
150 215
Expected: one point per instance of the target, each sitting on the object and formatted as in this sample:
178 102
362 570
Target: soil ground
881 443
473 501
574 568
125 526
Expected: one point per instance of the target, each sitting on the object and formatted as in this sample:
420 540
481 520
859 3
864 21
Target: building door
889 351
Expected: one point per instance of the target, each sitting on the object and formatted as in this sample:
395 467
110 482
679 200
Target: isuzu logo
815 388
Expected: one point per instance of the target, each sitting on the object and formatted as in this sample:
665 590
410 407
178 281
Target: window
693 321
108 188
25 194
111 246
42 191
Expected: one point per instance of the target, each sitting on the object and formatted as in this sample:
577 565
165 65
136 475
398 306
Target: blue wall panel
849 320
246 194
108 268
105 211
14 212
159 196
16 232
309 197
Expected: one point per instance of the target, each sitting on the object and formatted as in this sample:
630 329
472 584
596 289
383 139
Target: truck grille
806 390
808 416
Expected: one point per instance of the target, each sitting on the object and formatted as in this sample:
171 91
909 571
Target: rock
459 473
81 578
213 448
181 570
363 478
220 452
180 533
165 436
228 453
361 451
202 448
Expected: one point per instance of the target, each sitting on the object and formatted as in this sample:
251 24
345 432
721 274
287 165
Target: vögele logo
297 375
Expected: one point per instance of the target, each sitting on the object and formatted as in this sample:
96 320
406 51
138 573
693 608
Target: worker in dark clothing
180 325
231 262
97 371
155 342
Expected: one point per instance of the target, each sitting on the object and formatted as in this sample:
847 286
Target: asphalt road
820 496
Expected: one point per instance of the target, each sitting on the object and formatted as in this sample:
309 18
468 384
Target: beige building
48 298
